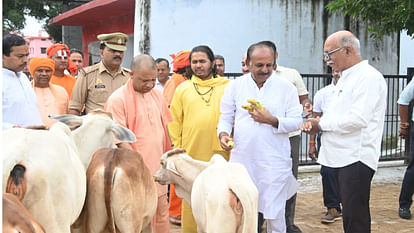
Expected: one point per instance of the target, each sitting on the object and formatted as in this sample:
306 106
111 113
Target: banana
255 103
230 144
248 107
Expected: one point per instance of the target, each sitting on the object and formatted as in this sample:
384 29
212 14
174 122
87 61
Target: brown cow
121 196
16 218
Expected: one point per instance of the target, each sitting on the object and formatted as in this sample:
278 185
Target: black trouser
260 222
331 198
330 188
354 183
291 203
407 188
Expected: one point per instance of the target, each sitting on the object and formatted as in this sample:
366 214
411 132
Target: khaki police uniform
95 84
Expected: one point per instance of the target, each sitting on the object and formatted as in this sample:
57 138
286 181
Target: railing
392 147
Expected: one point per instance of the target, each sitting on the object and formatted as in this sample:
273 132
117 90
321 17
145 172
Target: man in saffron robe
51 99
60 53
195 109
143 110
181 68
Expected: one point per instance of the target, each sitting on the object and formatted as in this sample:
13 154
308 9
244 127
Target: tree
14 12
382 16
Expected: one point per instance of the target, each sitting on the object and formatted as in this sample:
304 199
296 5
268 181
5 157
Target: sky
406 52
32 26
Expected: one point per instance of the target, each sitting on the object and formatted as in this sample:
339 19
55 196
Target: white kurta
19 101
263 149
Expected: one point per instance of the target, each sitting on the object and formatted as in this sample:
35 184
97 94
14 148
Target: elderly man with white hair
352 127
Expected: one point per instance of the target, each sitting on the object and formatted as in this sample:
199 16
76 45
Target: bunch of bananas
249 107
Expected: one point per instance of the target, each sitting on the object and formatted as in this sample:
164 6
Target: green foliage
382 16
15 10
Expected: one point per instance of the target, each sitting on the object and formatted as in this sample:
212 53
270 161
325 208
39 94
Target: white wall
406 52
230 26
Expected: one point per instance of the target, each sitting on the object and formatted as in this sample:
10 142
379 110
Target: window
43 50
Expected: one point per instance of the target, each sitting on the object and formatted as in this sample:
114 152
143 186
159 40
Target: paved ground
384 204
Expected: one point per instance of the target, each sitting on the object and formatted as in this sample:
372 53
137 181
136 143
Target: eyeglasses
327 55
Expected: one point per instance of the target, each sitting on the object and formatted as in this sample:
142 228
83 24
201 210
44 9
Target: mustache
117 57
263 73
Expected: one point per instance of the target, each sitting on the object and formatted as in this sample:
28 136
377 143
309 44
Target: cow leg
95 204
127 210
220 217
147 229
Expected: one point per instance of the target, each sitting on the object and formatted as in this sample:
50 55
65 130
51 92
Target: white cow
42 167
95 131
222 195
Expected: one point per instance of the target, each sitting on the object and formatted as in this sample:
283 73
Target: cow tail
110 164
16 183
248 199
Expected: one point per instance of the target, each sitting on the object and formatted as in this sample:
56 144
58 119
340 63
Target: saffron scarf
129 94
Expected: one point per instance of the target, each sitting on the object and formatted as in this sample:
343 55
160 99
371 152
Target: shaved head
143 73
143 61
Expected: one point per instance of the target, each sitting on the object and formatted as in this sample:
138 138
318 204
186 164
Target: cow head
168 172
178 168
95 131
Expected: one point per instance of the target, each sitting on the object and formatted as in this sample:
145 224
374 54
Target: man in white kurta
261 141
18 98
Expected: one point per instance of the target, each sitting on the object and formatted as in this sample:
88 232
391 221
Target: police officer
97 82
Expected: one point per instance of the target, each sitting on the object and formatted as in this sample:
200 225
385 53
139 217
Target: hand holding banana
260 114
252 102
226 141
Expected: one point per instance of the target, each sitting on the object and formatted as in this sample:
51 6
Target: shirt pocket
344 99
99 94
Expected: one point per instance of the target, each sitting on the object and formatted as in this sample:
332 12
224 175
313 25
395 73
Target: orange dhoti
175 203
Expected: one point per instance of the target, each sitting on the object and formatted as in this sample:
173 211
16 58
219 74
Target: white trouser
276 225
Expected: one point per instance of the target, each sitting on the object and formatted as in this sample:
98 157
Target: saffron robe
67 82
147 116
51 101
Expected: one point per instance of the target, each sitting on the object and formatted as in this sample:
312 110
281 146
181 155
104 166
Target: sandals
175 220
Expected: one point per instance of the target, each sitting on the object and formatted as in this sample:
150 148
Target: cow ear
171 167
70 120
123 134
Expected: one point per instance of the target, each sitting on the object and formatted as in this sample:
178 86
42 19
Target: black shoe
293 229
404 213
